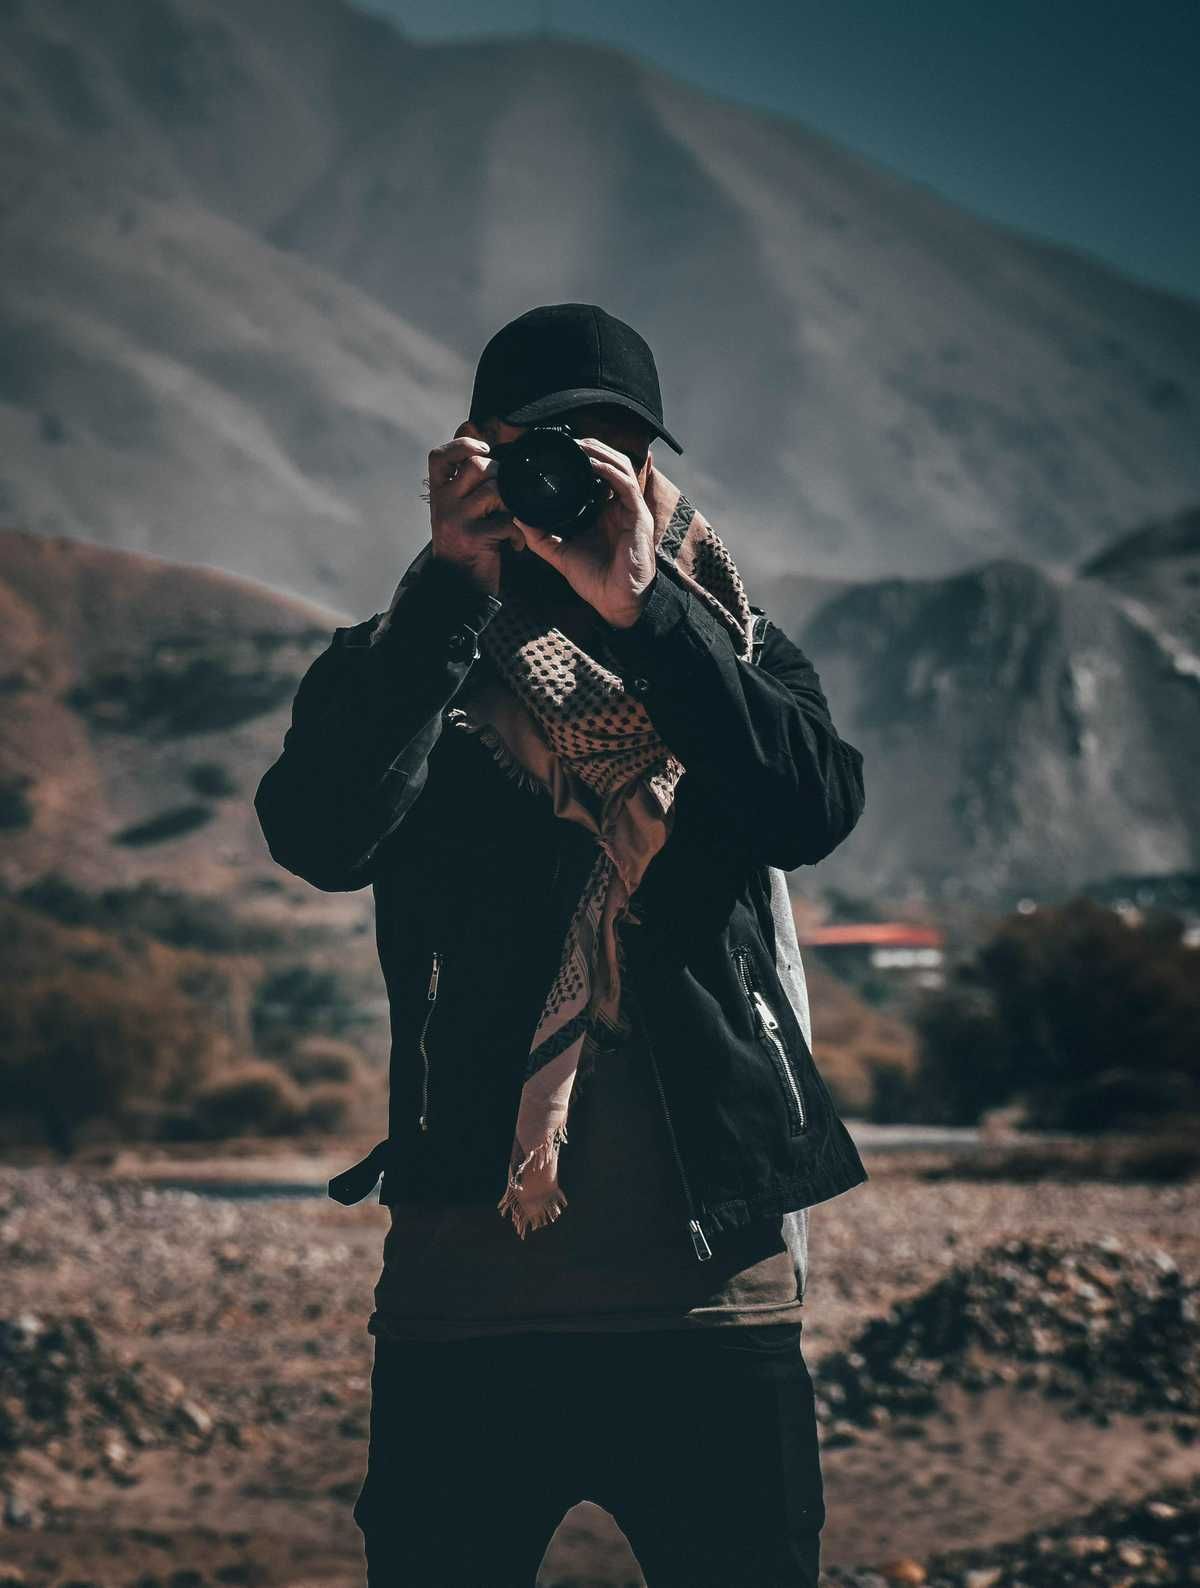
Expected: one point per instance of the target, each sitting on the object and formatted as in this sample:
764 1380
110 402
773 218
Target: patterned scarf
553 710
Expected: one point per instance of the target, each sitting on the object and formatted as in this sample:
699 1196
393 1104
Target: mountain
1155 573
140 702
1023 732
253 247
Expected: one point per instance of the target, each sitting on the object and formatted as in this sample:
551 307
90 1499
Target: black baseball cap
563 356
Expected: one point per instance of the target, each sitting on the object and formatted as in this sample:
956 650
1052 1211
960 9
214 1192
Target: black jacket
475 879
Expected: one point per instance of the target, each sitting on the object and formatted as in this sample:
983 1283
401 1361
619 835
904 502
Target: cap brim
559 402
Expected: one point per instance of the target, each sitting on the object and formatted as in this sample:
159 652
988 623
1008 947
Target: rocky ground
1121 1544
1007 1377
1098 1326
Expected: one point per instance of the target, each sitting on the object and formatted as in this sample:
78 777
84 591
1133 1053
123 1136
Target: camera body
546 479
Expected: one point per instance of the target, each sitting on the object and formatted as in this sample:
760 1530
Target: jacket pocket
770 1032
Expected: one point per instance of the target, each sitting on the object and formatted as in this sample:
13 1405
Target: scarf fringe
501 754
530 1211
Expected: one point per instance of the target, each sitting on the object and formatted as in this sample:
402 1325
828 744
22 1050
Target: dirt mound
86 1404
1094 1323
1120 1544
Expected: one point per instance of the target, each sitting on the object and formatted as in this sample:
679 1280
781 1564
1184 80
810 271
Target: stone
903 1571
195 1418
1083 1546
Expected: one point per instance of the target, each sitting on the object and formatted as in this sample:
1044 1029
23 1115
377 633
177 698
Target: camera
546 479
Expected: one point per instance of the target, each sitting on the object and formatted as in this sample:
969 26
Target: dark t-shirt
618 1257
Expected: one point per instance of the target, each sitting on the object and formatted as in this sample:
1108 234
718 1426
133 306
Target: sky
1075 120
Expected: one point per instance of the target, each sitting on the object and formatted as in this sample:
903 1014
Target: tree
1090 1021
81 1044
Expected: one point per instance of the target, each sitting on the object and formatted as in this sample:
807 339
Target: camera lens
545 478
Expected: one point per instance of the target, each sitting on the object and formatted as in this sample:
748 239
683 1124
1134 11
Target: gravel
124 1302
1090 1323
1117 1545
65 1389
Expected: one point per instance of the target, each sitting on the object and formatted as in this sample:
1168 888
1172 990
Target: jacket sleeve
365 718
758 737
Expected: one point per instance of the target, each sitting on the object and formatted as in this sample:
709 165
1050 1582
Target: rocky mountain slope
140 702
253 247
1155 573
1023 732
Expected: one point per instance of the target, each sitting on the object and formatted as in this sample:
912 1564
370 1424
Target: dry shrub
327 1107
862 1053
1169 1156
1087 1021
316 1059
110 1031
254 1098
79 1045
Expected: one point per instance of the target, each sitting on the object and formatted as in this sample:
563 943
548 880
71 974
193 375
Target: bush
108 1030
16 807
56 896
79 1046
891 1097
212 779
1089 1022
254 1098
323 1059
167 824
328 1107
1170 1156
300 999
170 915
192 684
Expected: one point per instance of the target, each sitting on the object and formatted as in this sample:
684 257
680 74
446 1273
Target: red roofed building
900 949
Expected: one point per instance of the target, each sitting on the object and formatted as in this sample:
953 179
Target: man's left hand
611 564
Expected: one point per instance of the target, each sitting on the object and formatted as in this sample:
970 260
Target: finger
460 446
465 475
600 449
541 540
623 480
445 461
481 499
446 470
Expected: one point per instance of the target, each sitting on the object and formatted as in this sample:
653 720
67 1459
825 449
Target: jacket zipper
431 993
695 1229
770 1029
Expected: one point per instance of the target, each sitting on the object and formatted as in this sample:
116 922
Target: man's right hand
468 520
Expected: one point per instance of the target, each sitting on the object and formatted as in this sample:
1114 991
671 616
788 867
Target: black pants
702 1443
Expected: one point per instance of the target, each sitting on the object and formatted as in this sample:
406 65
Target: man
603 1107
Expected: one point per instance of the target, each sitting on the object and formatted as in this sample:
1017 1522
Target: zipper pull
699 1240
433 976
764 1009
